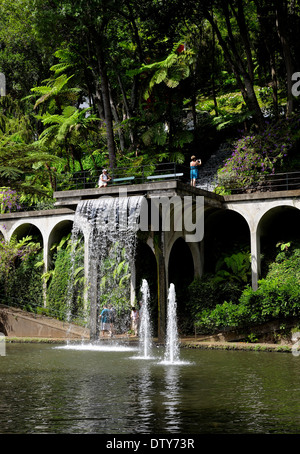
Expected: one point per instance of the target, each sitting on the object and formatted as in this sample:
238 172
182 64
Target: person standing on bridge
194 172
103 179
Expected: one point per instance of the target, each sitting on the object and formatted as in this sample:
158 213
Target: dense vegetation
237 306
123 82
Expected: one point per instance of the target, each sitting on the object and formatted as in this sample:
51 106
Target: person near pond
135 320
103 179
194 169
105 320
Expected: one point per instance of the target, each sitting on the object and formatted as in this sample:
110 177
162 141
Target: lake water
50 389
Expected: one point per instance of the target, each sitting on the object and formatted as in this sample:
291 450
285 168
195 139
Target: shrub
255 155
277 297
20 275
65 290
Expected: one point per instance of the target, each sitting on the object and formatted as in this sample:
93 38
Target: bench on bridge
162 177
123 180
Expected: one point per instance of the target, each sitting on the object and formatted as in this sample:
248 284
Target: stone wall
17 323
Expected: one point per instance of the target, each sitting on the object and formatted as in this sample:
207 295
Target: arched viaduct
249 219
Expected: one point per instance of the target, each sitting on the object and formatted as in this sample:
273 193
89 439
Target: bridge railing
122 175
260 183
231 184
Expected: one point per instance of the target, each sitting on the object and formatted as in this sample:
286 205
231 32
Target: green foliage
13 252
9 200
236 267
66 281
115 280
277 297
174 68
22 164
205 293
20 277
258 154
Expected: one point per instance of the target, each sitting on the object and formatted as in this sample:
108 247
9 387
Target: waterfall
109 226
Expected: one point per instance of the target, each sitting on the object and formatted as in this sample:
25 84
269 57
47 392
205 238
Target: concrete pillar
161 284
197 251
255 257
46 257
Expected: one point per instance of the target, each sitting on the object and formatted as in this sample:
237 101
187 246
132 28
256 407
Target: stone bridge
247 220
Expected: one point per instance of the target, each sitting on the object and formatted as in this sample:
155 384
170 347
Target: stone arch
180 263
3 233
145 264
278 224
20 230
181 273
193 247
224 231
60 230
146 268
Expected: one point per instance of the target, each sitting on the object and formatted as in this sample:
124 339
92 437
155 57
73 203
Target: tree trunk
242 76
282 27
266 31
241 21
161 286
117 121
106 105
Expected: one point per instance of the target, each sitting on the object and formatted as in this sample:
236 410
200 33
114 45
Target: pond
58 389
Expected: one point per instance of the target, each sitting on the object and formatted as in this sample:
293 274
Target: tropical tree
23 167
66 131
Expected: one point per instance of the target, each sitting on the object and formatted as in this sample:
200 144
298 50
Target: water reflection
50 390
143 395
172 399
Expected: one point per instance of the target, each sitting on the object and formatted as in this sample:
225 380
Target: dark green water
45 389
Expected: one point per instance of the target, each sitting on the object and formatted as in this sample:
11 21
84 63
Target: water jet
145 331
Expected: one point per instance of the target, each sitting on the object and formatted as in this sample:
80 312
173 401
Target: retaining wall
17 323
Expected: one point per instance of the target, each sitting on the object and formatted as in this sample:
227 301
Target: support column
161 284
255 257
197 251
46 258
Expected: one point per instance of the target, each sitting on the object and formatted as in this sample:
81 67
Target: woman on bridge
194 173
103 179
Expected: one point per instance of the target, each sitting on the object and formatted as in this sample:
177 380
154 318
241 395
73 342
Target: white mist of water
145 331
96 347
109 227
172 340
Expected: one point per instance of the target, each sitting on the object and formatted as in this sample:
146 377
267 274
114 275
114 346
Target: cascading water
145 331
109 227
172 341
